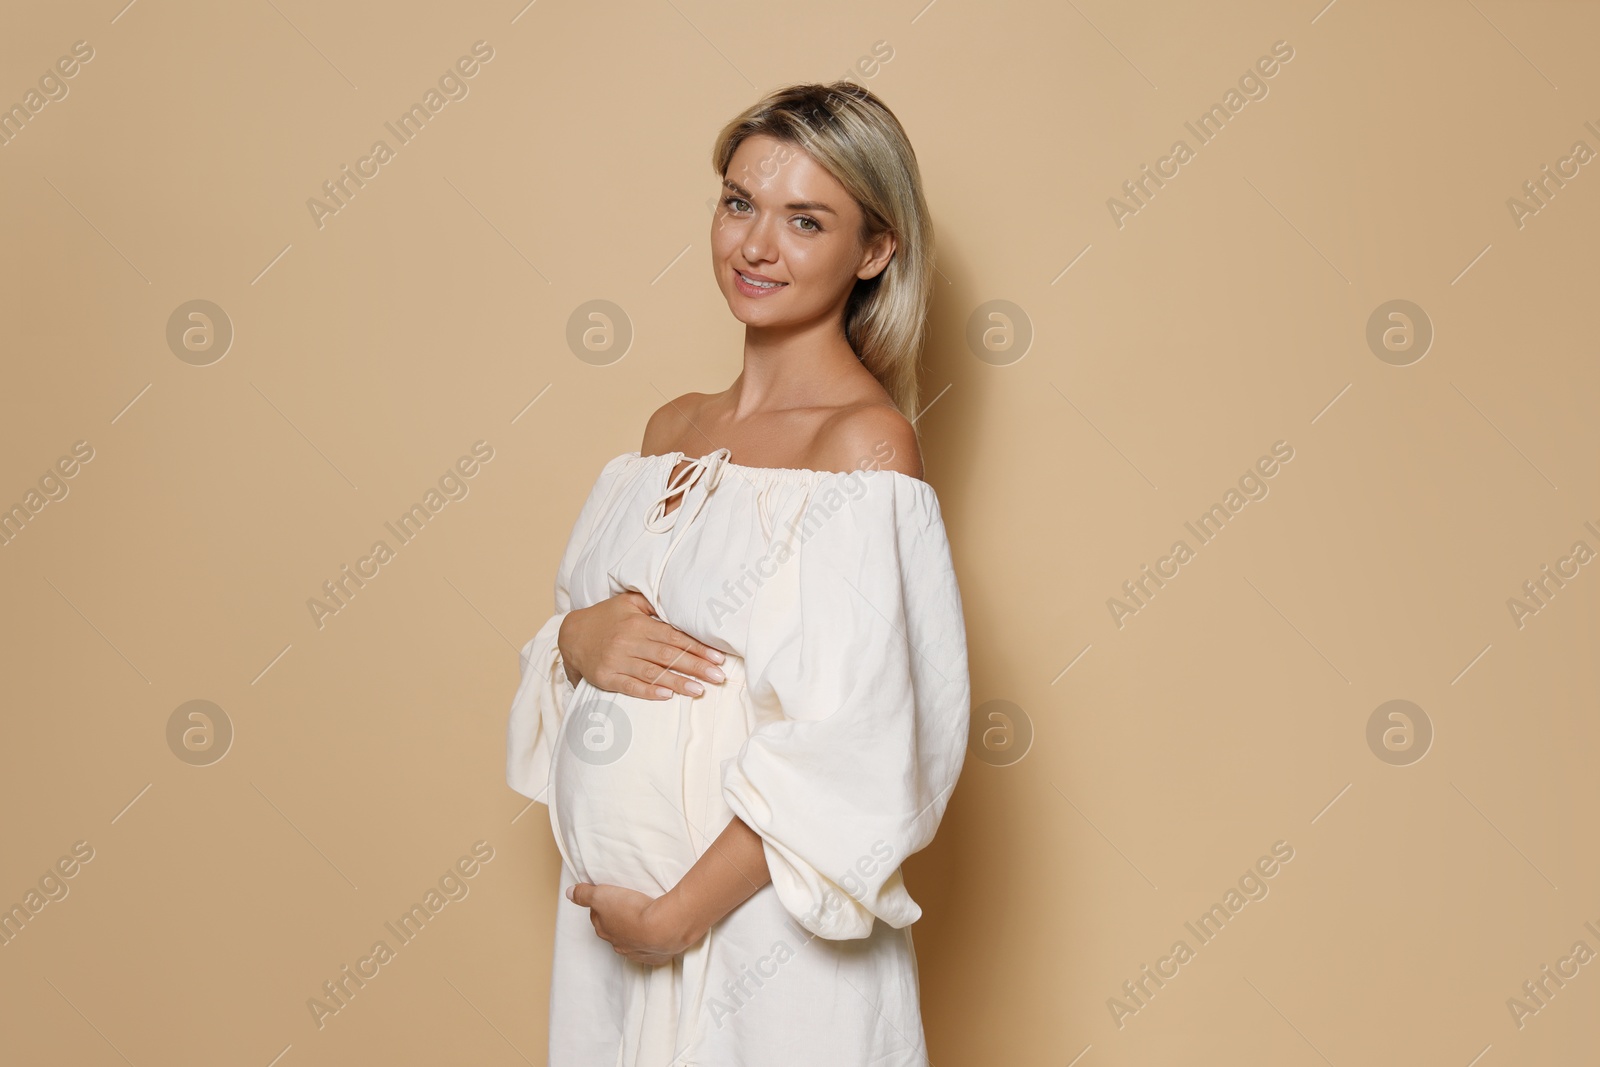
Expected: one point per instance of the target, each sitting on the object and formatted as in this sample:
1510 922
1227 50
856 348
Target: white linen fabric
838 737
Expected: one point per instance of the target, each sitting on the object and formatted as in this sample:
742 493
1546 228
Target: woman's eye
739 205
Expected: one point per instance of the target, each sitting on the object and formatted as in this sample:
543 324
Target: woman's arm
728 874
653 931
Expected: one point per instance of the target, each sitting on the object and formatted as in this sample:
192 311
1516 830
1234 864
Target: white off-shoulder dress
838 737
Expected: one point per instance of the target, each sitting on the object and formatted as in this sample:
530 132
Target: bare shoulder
872 435
668 424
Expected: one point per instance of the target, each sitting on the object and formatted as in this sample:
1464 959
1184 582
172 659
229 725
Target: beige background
1166 355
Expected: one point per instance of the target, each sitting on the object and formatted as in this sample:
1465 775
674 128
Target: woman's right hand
622 647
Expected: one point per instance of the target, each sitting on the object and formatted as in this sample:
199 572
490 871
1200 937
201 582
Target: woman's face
785 219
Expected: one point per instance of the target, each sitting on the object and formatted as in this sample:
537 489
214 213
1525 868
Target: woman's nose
759 241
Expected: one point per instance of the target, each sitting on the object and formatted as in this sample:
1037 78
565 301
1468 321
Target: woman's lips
755 290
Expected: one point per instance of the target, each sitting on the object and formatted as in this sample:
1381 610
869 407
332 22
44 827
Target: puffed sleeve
542 694
857 668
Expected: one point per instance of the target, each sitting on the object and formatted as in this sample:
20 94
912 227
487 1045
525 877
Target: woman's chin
741 310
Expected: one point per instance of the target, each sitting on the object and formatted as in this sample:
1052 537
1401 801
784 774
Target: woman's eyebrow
798 205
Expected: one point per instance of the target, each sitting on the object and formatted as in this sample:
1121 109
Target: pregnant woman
751 704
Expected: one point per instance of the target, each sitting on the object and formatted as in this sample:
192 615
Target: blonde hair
856 138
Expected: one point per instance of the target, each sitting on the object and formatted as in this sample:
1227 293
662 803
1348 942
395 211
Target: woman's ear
877 255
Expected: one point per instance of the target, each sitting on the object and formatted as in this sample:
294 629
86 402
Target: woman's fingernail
696 688
717 675
715 657
570 888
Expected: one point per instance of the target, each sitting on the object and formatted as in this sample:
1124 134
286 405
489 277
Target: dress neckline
776 473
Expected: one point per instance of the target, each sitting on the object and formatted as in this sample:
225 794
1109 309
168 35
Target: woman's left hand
639 927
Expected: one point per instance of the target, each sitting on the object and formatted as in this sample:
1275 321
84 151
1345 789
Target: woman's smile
752 284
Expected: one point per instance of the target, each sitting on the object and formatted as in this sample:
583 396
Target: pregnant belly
635 784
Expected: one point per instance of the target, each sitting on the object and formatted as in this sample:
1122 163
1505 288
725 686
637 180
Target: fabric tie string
703 473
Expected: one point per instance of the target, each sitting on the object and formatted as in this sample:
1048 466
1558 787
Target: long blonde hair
856 138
